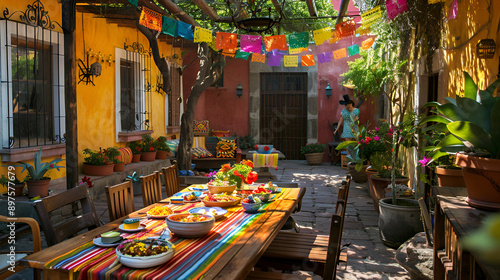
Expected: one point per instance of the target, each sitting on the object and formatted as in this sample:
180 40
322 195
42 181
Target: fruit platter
144 253
159 212
190 225
220 200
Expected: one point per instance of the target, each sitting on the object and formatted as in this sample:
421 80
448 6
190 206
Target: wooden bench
215 162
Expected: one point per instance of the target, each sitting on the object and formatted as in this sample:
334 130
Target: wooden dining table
235 263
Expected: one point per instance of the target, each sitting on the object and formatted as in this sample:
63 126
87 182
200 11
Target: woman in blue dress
348 118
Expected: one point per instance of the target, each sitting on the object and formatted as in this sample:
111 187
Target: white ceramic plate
206 210
122 227
98 242
201 188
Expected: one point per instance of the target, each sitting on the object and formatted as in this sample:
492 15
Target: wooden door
283 112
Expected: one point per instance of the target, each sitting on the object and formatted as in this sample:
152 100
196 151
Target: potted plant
113 154
14 186
356 165
162 150
474 128
313 152
94 163
148 148
136 149
234 175
37 182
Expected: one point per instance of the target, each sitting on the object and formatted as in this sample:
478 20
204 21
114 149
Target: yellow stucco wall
473 23
96 104
54 12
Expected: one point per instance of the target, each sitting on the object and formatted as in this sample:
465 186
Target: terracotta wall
221 106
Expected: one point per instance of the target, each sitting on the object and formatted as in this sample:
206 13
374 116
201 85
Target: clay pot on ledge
18 189
136 157
148 156
369 172
161 154
450 177
482 180
314 158
38 187
98 170
119 167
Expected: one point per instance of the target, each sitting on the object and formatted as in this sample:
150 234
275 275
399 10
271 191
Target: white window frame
27 32
133 57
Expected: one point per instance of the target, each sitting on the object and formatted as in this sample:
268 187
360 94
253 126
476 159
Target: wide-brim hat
346 100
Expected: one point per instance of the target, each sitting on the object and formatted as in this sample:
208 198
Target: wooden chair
55 233
151 188
120 199
171 179
5 258
294 250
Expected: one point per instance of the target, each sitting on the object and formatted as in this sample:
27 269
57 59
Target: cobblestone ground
368 257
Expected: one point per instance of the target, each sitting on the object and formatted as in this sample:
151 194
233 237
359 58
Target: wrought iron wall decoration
136 47
88 72
35 15
159 85
485 48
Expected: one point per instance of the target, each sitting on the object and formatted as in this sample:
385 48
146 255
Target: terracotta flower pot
380 188
119 167
136 158
314 158
161 154
450 177
18 189
357 176
38 188
482 180
98 170
148 156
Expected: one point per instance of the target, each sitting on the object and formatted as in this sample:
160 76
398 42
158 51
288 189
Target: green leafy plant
38 170
148 143
382 163
247 142
4 181
112 154
310 148
136 147
94 157
468 125
236 174
161 145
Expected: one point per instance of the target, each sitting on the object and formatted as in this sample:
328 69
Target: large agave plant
38 169
469 125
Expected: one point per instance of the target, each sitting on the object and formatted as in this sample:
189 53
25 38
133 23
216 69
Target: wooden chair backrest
334 242
35 230
120 199
55 233
151 188
171 179
343 194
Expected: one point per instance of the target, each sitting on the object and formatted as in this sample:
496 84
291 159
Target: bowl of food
220 200
132 223
264 149
159 212
144 253
262 193
216 189
251 204
217 212
190 225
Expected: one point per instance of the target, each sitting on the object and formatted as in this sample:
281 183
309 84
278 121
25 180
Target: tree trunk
211 68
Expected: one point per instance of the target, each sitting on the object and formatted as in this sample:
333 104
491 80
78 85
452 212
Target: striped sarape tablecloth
193 257
265 160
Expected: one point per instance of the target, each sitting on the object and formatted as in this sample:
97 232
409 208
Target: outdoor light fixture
485 48
95 69
328 90
239 90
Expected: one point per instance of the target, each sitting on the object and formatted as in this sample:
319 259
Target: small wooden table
235 263
453 219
